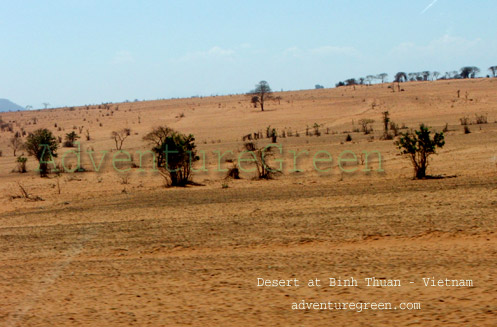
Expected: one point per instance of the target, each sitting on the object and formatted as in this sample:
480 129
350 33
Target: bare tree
120 136
365 125
435 75
383 77
263 92
15 143
157 137
45 104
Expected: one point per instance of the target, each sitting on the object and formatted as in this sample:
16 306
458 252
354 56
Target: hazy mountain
7 105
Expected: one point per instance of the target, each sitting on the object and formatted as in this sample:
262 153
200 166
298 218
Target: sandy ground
110 249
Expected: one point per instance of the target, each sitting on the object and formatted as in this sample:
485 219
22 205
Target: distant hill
7 105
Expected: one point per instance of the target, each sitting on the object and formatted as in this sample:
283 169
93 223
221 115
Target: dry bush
25 195
125 179
264 171
464 121
366 127
233 171
481 119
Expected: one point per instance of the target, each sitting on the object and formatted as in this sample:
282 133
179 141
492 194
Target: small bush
70 139
233 172
348 138
466 129
481 119
464 121
264 171
21 164
176 167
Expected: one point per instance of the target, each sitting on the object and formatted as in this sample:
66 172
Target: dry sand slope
104 251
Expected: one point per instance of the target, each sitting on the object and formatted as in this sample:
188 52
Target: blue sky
79 52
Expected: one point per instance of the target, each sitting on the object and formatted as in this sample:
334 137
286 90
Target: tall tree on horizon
261 93
493 69
383 77
469 71
400 77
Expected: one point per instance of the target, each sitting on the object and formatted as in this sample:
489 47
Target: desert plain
120 249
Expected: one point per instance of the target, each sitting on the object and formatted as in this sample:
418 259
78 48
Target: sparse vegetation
481 119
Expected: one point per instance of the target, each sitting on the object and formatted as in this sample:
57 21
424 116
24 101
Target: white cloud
446 45
323 51
333 50
214 52
122 57
429 6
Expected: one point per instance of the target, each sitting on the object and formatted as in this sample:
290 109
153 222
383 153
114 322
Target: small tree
70 139
493 69
386 121
400 77
382 77
418 146
120 136
15 143
469 72
260 94
178 155
365 125
156 138
42 145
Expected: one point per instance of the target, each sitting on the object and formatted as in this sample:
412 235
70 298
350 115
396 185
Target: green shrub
418 146
21 164
42 145
176 155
